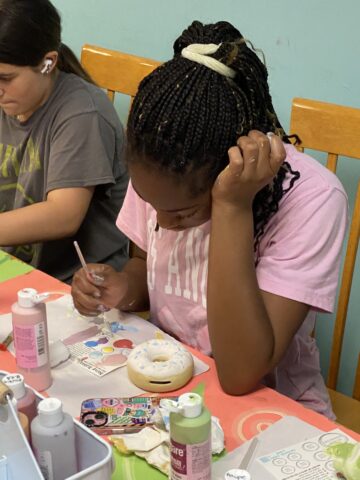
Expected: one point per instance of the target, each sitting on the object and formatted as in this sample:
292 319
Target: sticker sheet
307 460
102 354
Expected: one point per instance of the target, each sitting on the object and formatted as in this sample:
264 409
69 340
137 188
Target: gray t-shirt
74 140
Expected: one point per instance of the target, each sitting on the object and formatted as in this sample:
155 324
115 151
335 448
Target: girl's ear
49 62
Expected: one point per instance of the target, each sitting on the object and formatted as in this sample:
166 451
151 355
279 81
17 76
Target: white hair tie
198 52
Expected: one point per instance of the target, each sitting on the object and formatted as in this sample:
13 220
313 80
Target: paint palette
101 354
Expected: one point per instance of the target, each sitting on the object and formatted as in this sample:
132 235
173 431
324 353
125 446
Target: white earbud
47 66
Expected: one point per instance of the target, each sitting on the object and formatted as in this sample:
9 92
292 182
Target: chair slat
331 163
356 391
344 293
111 95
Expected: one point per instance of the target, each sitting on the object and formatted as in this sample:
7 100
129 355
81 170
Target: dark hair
186 116
31 28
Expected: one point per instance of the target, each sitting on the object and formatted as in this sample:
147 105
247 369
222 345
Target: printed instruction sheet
306 460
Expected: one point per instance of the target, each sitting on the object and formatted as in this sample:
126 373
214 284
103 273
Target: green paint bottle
190 439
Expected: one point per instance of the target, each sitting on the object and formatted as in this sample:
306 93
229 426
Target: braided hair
186 116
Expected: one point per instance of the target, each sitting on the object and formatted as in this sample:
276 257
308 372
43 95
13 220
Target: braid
186 116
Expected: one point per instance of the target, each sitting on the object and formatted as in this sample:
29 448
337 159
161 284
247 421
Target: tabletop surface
241 417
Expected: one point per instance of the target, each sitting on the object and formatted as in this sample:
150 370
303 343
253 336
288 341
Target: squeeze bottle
53 440
25 397
190 438
31 338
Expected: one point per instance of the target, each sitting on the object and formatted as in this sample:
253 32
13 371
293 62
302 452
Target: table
241 417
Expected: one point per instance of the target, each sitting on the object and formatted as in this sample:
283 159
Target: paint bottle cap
50 412
26 297
15 381
190 404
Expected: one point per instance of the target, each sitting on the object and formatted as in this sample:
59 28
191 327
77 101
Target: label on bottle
30 345
44 460
237 474
190 462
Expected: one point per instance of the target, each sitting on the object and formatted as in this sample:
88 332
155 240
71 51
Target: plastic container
23 419
31 338
25 396
94 455
53 440
190 439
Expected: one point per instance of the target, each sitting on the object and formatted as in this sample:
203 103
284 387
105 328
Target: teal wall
312 49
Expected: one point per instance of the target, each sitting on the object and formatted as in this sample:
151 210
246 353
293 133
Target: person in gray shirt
62 175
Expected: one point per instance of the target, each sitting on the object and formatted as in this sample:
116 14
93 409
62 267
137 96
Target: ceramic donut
160 365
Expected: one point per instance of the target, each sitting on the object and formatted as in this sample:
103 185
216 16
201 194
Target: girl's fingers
86 306
264 152
278 153
271 152
81 282
250 152
236 161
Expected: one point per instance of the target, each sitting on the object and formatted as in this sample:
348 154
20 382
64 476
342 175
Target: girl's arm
126 290
59 216
250 330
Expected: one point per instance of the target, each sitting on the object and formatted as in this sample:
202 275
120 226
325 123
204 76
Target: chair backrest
333 129
116 71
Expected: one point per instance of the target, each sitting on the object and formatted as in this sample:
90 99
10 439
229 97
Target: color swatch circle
107 349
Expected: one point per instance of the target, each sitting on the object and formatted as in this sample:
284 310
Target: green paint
346 459
199 389
188 431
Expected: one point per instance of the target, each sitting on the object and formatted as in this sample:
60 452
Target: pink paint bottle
31 338
25 397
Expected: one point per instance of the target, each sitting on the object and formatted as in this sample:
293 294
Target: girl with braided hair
237 234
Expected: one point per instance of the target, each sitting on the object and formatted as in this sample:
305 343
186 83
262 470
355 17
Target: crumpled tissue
152 444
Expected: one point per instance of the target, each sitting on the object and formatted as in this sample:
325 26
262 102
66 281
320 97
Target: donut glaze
160 365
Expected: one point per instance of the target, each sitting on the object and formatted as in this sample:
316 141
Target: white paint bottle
53 440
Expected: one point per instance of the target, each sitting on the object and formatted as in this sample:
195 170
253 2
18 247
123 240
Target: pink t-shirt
299 257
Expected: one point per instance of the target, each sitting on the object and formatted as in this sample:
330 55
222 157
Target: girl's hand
102 289
253 163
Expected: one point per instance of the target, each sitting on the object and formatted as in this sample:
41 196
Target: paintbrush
6 342
94 276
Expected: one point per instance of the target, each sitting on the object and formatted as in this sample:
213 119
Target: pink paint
110 360
81 336
25 397
31 339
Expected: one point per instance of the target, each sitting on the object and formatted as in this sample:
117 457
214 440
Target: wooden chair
335 129
116 71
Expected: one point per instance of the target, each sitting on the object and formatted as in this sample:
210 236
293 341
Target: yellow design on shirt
9 159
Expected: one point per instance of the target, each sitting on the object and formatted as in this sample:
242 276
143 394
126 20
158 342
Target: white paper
306 460
286 432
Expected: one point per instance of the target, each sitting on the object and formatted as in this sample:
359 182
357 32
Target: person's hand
97 292
253 163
